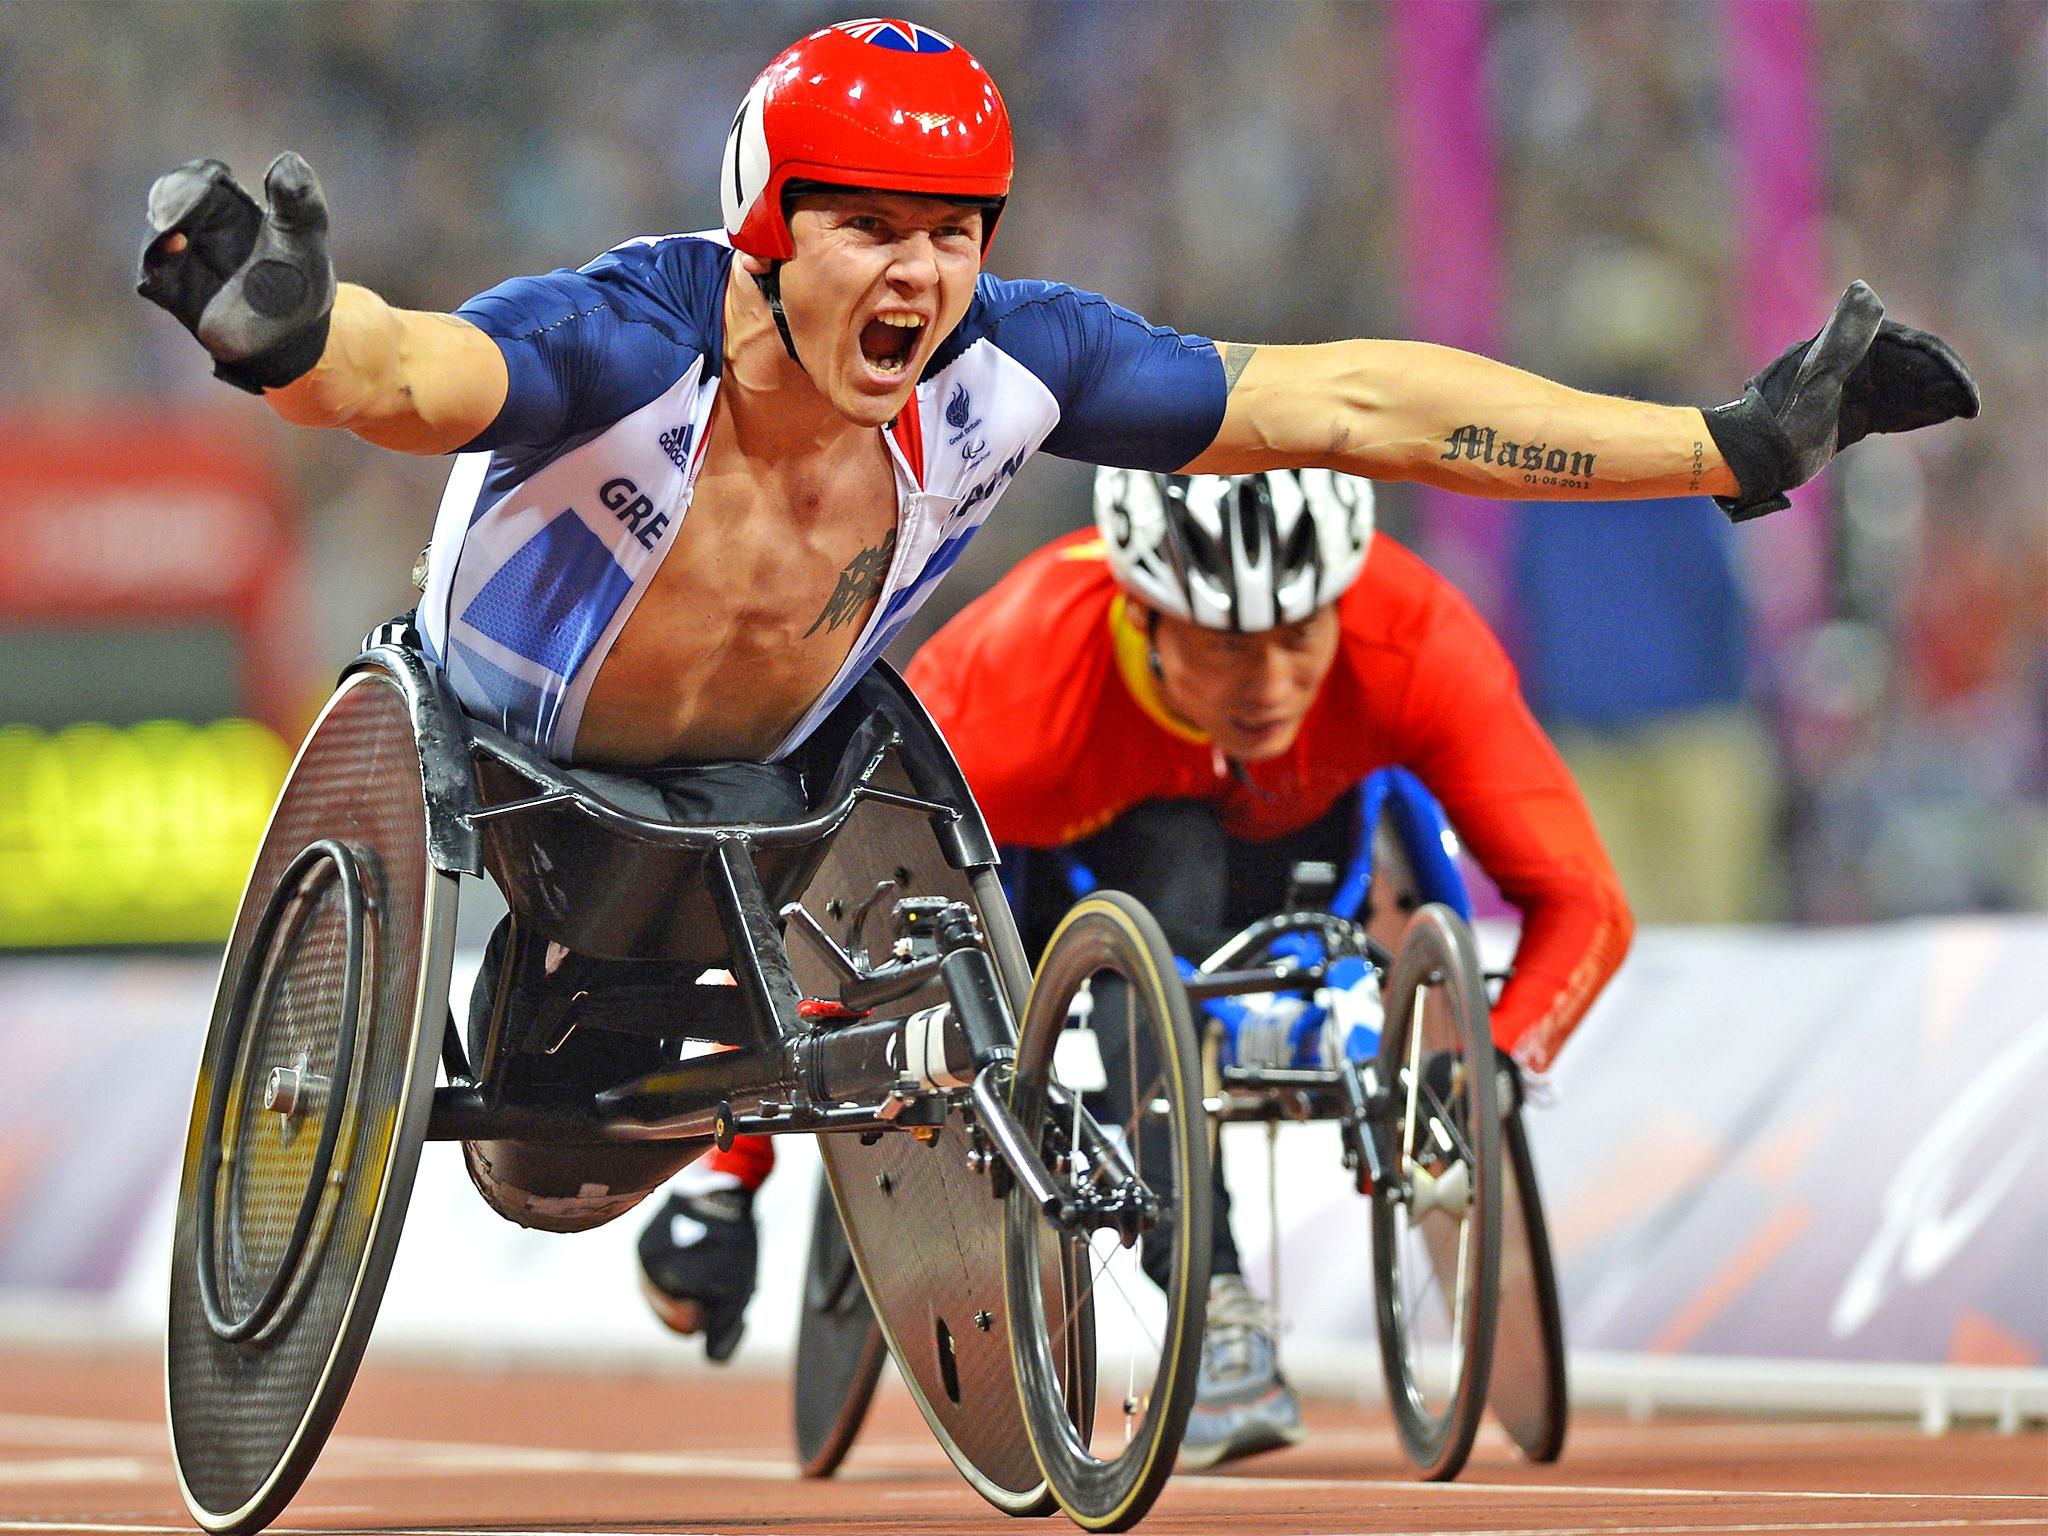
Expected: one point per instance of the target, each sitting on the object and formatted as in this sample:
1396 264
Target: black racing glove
255 285
1861 374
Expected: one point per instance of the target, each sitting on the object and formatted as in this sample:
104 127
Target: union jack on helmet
882 104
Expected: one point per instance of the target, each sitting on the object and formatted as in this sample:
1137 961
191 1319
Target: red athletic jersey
1041 688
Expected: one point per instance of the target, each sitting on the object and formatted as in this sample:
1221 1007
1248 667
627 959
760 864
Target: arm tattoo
859 584
1235 356
1541 463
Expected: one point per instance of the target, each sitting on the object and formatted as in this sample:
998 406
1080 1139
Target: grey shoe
1242 1403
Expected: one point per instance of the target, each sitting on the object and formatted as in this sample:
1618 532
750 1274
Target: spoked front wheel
1108 1077
1436 1211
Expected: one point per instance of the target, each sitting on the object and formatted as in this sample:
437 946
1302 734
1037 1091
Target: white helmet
1242 552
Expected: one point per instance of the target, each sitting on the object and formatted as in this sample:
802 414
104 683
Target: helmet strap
770 284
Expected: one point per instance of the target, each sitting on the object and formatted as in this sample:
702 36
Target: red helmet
884 104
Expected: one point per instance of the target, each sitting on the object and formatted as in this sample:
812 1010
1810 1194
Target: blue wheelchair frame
1418 820
1528 1392
1423 832
1425 835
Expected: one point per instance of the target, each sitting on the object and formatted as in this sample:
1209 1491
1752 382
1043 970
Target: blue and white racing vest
557 516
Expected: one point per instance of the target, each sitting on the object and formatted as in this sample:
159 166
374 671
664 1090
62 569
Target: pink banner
1776 139
1450 248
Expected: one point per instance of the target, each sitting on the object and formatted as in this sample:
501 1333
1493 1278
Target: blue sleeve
1131 394
583 348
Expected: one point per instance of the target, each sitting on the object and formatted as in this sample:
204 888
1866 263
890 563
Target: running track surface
432 1450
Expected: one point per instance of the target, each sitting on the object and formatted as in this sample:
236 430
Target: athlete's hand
255 285
1861 374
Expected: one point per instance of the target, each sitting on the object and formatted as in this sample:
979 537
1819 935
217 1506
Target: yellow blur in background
138 834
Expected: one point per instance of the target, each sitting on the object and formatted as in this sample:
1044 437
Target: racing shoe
697 1259
1242 1403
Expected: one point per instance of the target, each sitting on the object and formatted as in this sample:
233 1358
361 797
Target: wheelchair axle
288 1090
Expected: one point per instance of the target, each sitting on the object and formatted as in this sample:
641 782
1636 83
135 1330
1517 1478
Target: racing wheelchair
853 973
1465 1293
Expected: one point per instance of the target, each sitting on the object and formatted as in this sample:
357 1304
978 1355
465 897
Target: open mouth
888 341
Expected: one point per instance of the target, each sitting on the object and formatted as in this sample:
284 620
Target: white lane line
328 1511
345 1453
1705 1530
1754 1430
497 1459
1930 1523
105 1528
396 1457
133 1435
38 1429
1658 1430
77 1469
108 1528
1251 1482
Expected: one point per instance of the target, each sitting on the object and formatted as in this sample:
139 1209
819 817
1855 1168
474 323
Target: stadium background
1862 741
1836 719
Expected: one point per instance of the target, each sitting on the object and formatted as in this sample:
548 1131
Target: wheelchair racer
1184 701
704 480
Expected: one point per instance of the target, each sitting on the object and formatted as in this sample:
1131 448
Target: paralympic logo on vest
984 489
961 418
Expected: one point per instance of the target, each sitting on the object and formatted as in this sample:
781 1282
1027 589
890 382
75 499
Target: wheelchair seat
591 859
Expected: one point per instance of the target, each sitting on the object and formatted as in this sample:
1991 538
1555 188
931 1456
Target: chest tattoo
860 583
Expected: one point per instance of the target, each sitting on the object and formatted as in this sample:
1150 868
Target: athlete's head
863 178
1235 579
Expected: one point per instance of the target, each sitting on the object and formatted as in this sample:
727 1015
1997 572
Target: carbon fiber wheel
312 1101
839 1347
1530 1395
1107 1378
1436 1214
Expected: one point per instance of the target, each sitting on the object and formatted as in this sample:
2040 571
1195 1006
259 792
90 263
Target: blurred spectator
1636 656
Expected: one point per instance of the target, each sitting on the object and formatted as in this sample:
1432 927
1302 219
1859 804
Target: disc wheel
1436 1212
1530 1394
311 1104
839 1346
1106 1042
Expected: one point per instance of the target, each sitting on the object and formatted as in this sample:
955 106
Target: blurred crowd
1231 169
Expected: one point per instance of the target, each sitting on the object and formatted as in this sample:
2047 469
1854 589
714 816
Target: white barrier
1787 1170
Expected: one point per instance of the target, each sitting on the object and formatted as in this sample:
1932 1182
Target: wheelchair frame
1402 845
800 1059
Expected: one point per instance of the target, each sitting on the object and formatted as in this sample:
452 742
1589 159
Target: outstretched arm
1405 410
400 378
255 285
1395 410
